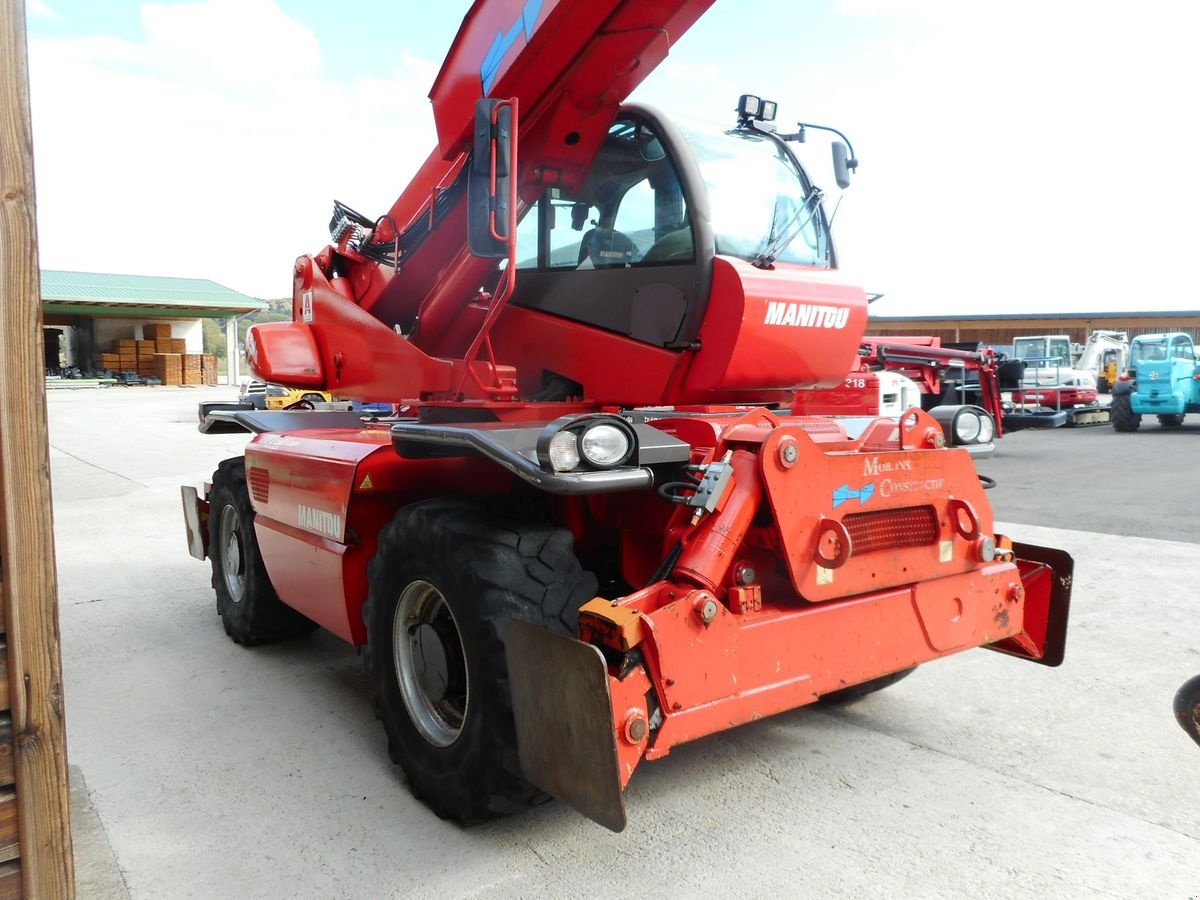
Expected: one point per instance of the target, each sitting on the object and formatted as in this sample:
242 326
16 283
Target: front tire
1123 416
1173 420
250 610
449 573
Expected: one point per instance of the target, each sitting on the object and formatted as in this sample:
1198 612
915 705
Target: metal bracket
717 476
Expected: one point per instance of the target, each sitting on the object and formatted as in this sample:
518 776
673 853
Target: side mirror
489 181
841 165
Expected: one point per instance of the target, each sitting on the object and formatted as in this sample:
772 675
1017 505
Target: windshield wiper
777 243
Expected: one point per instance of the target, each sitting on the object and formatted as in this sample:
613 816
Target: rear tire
250 610
1170 421
1123 416
449 573
858 691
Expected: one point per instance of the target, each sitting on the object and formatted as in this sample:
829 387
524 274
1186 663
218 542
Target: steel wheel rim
422 627
230 542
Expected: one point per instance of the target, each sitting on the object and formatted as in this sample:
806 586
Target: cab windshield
1148 351
763 206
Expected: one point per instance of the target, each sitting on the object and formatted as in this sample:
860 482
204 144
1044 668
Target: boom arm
568 64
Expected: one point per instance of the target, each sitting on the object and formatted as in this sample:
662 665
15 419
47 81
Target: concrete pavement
206 770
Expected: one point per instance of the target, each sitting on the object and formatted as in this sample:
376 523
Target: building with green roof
86 312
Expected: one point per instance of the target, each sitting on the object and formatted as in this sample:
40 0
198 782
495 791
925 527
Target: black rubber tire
1102 385
1123 416
858 691
488 566
257 615
1173 420
1187 708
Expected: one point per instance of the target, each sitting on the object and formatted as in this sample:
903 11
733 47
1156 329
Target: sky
1030 156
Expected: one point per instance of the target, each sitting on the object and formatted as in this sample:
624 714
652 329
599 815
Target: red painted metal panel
781 327
308 574
824 487
743 668
286 353
331 493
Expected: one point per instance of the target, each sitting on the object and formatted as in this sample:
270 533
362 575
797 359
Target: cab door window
629 211
617 252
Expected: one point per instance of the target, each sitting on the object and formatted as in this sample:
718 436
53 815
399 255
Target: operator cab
630 248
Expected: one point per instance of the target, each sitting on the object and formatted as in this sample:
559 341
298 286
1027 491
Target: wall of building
1000 332
109 331
189 330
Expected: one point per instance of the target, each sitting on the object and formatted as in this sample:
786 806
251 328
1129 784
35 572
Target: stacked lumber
127 351
156 332
208 369
168 368
110 361
170 345
145 358
192 368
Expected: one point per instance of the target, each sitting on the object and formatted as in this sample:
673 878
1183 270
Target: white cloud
214 147
40 9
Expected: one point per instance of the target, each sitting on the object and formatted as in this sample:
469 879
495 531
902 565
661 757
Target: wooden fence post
39 863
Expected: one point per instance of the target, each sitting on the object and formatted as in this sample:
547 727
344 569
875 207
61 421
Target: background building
86 312
999 329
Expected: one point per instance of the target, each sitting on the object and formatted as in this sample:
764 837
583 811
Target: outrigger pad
563 712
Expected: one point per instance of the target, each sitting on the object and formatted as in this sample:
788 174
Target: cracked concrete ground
201 769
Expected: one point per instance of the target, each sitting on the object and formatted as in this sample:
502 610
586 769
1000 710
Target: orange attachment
619 627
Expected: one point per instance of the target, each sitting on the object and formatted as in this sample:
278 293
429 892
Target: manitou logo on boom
805 315
321 522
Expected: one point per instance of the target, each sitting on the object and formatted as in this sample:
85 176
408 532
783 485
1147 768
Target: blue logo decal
526 22
845 494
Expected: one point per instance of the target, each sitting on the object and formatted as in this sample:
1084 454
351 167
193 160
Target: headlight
987 429
564 451
591 441
967 426
604 445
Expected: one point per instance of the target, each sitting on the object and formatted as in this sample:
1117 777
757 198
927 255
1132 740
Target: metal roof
127 294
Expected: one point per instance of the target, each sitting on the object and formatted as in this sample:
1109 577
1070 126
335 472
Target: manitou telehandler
590 533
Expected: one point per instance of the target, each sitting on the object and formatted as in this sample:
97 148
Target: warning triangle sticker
367 484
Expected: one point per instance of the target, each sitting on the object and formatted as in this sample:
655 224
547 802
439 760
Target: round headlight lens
564 451
987 429
967 427
604 445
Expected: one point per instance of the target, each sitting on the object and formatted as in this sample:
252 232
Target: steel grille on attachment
891 529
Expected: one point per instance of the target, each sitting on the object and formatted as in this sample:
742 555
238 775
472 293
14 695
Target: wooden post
28 585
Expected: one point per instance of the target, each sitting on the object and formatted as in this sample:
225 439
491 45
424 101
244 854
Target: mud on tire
448 574
250 610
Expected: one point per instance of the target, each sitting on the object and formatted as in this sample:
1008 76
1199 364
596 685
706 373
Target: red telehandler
590 534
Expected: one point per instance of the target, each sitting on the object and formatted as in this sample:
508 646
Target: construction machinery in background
893 375
593 531
1052 359
1163 380
1105 356
1055 388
